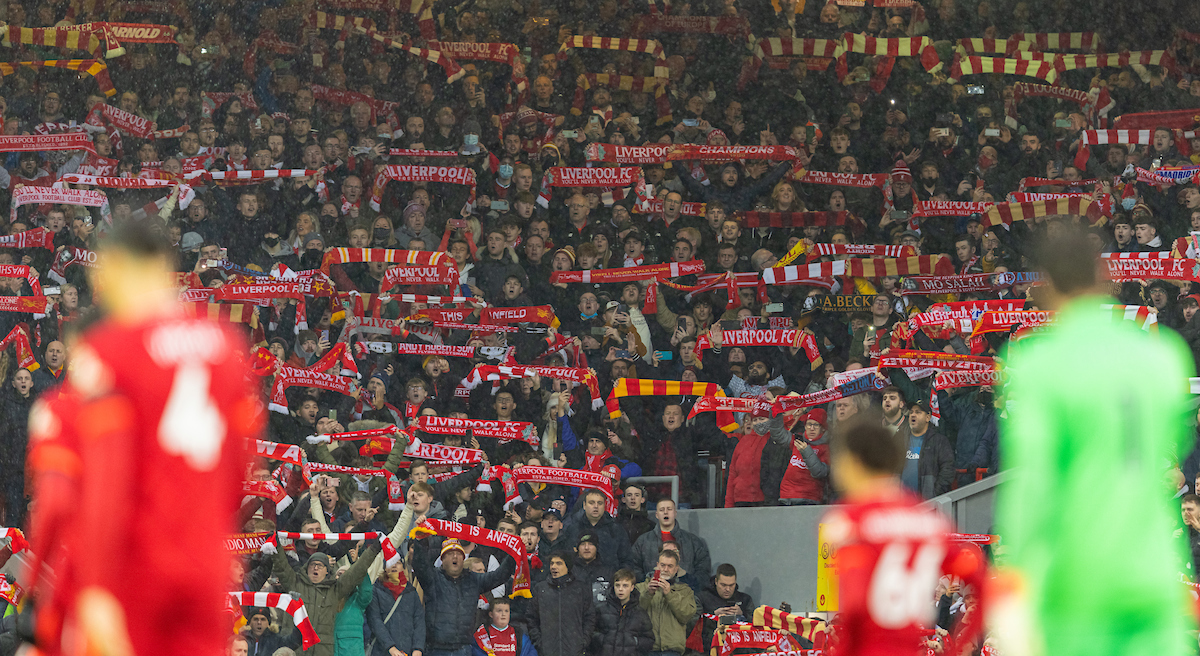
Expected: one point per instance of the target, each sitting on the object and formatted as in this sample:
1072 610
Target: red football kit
890 554
164 411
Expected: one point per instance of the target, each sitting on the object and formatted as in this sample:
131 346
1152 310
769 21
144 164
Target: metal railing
652 480
972 507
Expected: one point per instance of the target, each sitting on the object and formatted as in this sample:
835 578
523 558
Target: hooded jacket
324 600
561 616
622 628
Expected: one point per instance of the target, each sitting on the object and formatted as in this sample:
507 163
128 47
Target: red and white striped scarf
449 66
32 238
291 605
861 268
778 47
272 490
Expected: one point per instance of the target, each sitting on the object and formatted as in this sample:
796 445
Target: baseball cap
552 512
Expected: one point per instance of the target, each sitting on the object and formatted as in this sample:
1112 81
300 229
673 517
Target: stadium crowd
483 211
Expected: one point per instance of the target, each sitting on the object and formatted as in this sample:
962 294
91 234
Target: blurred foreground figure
137 469
890 551
1097 408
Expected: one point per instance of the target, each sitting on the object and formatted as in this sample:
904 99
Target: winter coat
622 629
597 576
977 433
348 627
670 613
450 603
613 549
935 469
561 617
693 553
323 600
636 522
264 645
710 601
777 456
739 197
405 629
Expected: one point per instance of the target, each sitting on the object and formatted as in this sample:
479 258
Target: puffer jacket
622 629
324 600
561 617
450 603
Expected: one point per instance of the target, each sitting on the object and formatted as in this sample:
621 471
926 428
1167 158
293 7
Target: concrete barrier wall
775 549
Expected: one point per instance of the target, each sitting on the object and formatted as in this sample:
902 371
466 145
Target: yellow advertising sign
827 581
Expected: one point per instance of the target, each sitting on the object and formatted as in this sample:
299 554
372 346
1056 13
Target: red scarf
631 274
504 431
509 544
790 337
32 238
570 478
593 463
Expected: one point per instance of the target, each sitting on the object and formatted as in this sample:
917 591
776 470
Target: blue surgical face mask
1128 203
471 139
506 171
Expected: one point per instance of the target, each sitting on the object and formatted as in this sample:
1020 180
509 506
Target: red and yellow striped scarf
639 387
